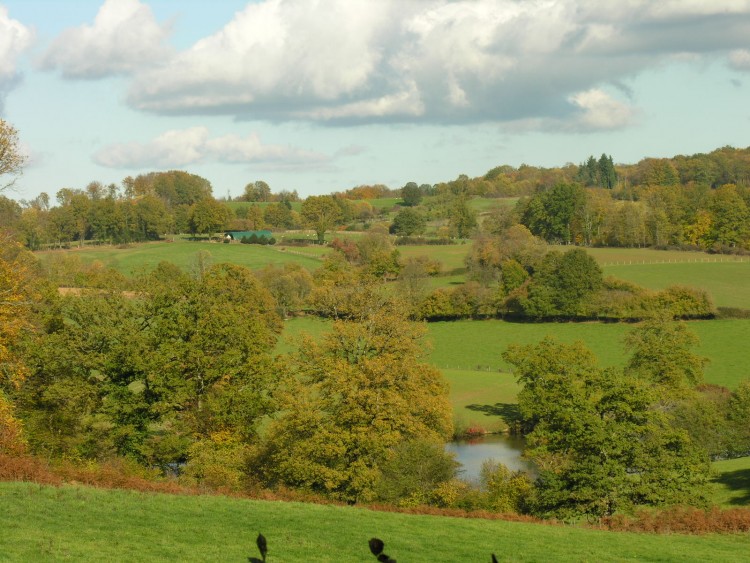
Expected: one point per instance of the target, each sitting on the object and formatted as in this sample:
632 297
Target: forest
178 372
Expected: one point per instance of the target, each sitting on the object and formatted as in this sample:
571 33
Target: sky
323 95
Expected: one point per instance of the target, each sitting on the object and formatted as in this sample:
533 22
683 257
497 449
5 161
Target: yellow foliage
17 294
11 436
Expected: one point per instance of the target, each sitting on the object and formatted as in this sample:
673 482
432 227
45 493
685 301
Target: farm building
237 235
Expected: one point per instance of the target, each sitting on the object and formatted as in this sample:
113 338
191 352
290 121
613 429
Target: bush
413 472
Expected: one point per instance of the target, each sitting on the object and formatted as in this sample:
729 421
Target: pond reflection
502 448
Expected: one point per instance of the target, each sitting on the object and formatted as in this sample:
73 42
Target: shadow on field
737 481
509 412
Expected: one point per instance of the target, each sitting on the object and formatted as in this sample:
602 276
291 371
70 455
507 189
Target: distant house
238 235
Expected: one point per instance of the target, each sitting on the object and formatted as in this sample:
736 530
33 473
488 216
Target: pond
502 448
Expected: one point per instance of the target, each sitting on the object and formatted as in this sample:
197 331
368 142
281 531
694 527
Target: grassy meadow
73 523
145 257
484 392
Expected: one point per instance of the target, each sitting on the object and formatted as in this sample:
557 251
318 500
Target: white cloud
124 37
451 61
740 59
600 111
179 148
15 38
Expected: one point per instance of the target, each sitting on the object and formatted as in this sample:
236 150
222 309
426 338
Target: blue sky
323 95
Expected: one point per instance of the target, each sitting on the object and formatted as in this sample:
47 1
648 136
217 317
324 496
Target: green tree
662 354
409 222
554 214
461 218
147 374
321 212
562 283
599 444
411 194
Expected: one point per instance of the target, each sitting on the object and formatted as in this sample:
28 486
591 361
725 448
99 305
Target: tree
181 360
354 397
208 216
408 222
257 191
553 214
11 158
662 354
562 283
598 442
730 218
411 194
462 219
320 212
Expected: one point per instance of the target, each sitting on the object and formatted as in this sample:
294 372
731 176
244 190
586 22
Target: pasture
731 486
42 523
145 257
483 392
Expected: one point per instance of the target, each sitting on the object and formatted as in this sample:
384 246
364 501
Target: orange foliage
682 520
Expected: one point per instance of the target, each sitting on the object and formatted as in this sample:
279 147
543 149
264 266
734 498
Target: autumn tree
257 191
11 157
321 213
208 216
354 397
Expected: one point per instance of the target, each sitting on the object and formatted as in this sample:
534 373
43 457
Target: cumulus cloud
15 38
124 37
179 148
440 61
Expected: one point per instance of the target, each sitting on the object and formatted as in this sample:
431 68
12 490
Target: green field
452 256
731 487
728 283
84 524
479 344
145 257
483 392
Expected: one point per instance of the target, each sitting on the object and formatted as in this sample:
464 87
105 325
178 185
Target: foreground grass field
42 523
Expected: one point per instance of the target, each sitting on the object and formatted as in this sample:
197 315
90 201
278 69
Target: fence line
297 253
478 368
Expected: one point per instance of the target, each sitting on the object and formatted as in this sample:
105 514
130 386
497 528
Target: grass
728 283
85 524
468 344
142 257
731 487
484 399
452 256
